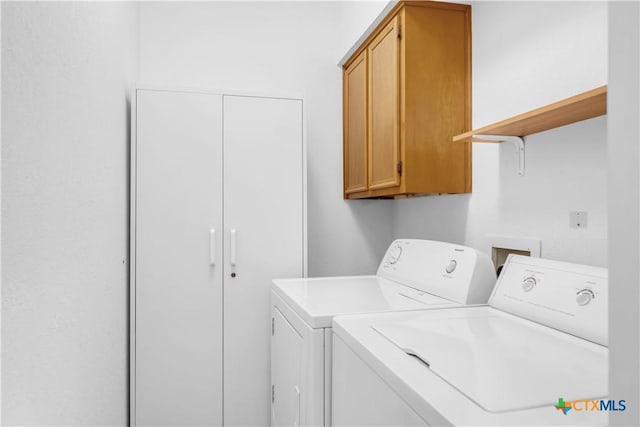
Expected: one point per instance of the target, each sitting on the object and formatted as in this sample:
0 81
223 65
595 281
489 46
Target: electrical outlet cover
578 219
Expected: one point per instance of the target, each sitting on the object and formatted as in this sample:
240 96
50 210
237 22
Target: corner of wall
624 208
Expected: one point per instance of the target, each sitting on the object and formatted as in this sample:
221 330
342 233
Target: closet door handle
212 246
232 232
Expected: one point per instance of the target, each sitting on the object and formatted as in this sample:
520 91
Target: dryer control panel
572 298
450 271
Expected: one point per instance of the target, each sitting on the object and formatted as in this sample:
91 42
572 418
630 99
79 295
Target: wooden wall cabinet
406 93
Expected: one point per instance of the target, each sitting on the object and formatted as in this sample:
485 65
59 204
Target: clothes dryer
413 275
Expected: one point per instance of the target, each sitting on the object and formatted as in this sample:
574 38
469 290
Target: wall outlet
578 219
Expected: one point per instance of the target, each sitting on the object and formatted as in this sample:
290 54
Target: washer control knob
394 254
451 266
584 297
528 283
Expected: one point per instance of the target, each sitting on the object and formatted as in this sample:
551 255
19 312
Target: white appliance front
541 339
412 276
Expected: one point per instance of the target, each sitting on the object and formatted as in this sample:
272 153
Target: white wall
66 68
277 47
624 208
356 21
525 55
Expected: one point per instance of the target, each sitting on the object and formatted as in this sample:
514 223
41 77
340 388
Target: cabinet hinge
273 393
399 168
400 31
273 326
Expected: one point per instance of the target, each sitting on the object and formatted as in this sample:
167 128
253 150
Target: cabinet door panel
384 106
263 203
177 363
355 125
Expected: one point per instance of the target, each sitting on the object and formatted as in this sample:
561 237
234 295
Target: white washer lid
503 363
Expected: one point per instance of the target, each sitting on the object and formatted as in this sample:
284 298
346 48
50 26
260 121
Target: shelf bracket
515 140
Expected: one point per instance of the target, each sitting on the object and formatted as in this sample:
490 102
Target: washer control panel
569 297
455 272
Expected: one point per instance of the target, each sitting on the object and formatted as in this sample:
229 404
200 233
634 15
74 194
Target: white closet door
177 364
263 204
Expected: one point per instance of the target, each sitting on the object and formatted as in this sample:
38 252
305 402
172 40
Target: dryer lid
504 363
318 300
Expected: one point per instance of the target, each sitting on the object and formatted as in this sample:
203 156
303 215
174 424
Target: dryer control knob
451 266
528 283
394 254
584 297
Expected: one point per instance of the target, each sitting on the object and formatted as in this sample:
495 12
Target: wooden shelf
587 105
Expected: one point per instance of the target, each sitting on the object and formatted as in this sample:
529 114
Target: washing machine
413 275
535 355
